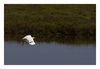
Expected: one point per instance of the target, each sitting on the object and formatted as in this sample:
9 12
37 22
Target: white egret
29 39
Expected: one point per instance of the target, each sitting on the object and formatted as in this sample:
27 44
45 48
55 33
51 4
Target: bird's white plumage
29 39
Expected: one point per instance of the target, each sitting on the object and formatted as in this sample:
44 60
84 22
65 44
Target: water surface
49 53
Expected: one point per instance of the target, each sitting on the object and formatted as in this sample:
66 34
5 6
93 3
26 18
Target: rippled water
51 53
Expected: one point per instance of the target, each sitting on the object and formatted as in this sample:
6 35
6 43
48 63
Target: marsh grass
44 20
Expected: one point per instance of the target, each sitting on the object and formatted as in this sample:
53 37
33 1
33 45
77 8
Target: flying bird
29 39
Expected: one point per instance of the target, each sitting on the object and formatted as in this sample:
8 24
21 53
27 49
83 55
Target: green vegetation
45 20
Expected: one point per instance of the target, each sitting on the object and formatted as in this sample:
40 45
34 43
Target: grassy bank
50 20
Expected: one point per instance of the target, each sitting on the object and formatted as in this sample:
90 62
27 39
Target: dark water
51 53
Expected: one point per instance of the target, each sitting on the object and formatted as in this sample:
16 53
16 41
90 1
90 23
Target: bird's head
33 37
24 38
